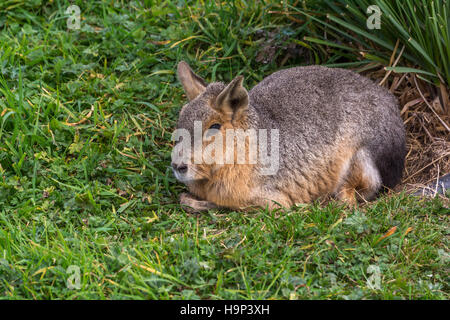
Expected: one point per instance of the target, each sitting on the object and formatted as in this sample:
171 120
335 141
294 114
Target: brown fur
325 178
340 134
232 183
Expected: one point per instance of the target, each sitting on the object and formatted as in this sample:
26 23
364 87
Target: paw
185 198
192 205
348 197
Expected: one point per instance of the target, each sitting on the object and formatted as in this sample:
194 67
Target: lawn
88 202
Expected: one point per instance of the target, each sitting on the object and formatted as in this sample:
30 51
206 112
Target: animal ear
233 100
193 85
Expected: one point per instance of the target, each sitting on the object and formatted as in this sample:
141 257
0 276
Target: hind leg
361 181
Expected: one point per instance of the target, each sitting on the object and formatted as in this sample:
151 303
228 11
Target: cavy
334 133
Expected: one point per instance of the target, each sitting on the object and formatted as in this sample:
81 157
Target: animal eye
215 126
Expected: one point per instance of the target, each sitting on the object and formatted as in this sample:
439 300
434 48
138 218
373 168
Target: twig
420 92
432 162
395 63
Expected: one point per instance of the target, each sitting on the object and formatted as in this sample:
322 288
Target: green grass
86 119
422 29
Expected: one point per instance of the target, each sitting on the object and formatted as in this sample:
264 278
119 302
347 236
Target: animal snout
181 168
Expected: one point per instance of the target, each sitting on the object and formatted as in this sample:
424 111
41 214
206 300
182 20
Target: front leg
193 205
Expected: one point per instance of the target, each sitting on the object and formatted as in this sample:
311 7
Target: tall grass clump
421 26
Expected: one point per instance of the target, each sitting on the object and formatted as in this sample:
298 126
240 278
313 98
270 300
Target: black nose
181 168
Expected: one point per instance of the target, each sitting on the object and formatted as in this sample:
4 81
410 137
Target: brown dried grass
425 110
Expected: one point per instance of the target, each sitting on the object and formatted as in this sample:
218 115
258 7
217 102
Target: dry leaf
387 234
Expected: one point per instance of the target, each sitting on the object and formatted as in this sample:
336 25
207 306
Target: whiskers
201 172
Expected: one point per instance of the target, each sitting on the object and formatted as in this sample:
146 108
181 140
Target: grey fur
313 106
316 109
